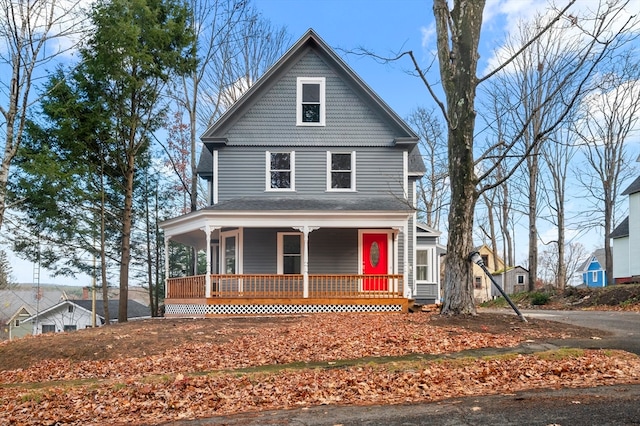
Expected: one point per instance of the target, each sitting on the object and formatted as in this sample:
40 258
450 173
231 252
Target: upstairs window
341 171
310 108
280 171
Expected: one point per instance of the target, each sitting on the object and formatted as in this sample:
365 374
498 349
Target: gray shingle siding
243 173
271 120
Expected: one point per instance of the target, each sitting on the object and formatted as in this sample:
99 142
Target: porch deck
273 294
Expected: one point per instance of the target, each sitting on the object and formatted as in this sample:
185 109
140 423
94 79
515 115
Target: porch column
405 253
166 266
305 256
207 279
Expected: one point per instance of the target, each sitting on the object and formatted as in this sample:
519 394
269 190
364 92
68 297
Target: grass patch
35 397
561 353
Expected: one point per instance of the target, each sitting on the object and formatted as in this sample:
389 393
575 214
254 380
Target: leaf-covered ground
155 371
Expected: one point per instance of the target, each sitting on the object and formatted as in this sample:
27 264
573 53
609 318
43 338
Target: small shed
594 270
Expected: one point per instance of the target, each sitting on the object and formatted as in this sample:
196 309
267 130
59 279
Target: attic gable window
280 171
310 104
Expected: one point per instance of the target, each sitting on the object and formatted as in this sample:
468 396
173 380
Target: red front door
375 261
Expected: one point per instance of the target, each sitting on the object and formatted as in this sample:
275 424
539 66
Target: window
478 282
520 279
594 276
289 253
310 101
280 171
70 309
422 265
485 260
17 323
70 328
341 171
48 328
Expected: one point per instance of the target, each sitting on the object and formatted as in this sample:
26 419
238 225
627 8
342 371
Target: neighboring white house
626 240
71 315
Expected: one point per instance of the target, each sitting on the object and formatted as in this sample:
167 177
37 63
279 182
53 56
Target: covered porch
291 262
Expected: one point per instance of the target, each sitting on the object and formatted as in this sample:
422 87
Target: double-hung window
289 253
422 265
341 171
310 104
280 171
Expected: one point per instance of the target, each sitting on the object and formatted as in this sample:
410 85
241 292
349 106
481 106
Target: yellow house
481 282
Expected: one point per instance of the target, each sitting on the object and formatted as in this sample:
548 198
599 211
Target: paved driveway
623 326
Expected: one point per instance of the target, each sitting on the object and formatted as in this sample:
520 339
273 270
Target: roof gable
310 48
595 262
621 230
633 188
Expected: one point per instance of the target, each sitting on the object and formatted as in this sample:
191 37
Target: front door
375 261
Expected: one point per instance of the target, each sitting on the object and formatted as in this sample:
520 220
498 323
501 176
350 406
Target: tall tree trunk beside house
458 35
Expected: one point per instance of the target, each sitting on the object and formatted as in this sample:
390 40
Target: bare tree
433 187
234 46
458 34
558 156
32 35
550 260
608 117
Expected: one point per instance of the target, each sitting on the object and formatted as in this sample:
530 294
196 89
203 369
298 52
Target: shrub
539 299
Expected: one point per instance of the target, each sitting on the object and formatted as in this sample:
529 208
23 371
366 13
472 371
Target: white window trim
353 172
594 276
267 175
281 250
310 80
430 269
239 249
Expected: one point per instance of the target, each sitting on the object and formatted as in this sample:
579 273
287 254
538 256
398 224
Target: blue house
311 200
593 270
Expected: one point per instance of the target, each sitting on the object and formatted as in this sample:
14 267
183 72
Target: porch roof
287 212
312 204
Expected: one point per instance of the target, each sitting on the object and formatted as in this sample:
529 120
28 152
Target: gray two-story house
311 181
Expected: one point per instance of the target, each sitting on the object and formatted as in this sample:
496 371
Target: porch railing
267 286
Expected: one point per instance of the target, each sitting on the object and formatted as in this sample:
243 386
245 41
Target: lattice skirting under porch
203 310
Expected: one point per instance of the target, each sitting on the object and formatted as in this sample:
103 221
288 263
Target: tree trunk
533 230
458 65
127 221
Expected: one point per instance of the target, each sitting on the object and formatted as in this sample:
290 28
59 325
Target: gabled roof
621 230
13 300
597 256
134 309
633 188
426 229
310 40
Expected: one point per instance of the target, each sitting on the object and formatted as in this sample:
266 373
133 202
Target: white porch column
208 230
166 265
405 253
207 278
396 261
305 257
